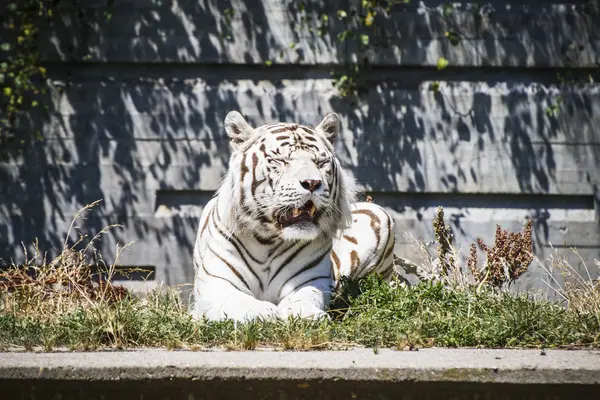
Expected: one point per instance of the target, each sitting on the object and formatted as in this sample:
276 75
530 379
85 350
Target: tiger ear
237 129
330 126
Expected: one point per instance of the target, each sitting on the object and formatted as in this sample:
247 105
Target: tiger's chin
299 223
300 231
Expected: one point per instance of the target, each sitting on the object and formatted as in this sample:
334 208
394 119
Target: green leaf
369 19
268 63
34 103
434 86
448 9
7 91
364 39
453 37
442 63
5 47
292 45
342 14
325 17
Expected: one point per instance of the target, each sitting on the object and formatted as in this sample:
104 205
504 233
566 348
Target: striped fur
366 246
283 226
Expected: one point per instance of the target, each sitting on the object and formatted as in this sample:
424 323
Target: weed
506 261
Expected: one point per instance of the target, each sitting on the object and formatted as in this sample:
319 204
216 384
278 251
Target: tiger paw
263 311
305 311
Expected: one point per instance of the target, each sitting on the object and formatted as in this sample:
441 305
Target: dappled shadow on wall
139 102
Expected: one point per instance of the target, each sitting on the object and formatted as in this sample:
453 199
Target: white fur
247 267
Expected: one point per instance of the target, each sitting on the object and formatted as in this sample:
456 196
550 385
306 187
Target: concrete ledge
429 373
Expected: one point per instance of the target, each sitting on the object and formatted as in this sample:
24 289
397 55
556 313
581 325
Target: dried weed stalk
444 238
506 261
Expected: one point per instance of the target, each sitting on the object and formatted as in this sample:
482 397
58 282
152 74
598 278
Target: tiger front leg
310 301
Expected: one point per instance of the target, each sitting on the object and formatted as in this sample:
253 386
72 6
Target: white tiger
283 226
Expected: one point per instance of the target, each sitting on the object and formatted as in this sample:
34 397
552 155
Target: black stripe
385 251
334 182
307 267
391 239
237 244
265 241
255 182
274 249
287 260
220 277
243 171
232 268
307 130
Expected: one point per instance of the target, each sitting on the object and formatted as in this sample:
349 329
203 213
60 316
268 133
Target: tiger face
286 181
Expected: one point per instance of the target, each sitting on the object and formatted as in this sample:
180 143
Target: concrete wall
136 120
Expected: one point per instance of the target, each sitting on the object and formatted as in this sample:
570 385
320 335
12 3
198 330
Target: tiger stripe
287 260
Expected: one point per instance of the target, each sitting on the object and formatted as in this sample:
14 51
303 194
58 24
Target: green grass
376 315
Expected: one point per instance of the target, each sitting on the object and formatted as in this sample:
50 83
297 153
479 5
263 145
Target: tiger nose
311 184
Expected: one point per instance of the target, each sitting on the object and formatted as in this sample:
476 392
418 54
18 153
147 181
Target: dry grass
579 292
50 288
433 268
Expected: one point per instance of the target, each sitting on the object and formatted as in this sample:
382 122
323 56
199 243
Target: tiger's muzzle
298 216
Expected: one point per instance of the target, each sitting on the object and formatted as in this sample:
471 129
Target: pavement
359 373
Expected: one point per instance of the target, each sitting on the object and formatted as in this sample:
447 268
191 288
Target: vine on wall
22 77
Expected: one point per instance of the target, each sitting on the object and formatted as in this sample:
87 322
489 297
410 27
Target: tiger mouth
306 213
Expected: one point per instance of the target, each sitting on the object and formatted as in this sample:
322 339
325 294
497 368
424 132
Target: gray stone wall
138 103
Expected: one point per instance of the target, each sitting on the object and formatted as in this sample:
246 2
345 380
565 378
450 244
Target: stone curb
580 367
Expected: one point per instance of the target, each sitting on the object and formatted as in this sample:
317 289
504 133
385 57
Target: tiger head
284 180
